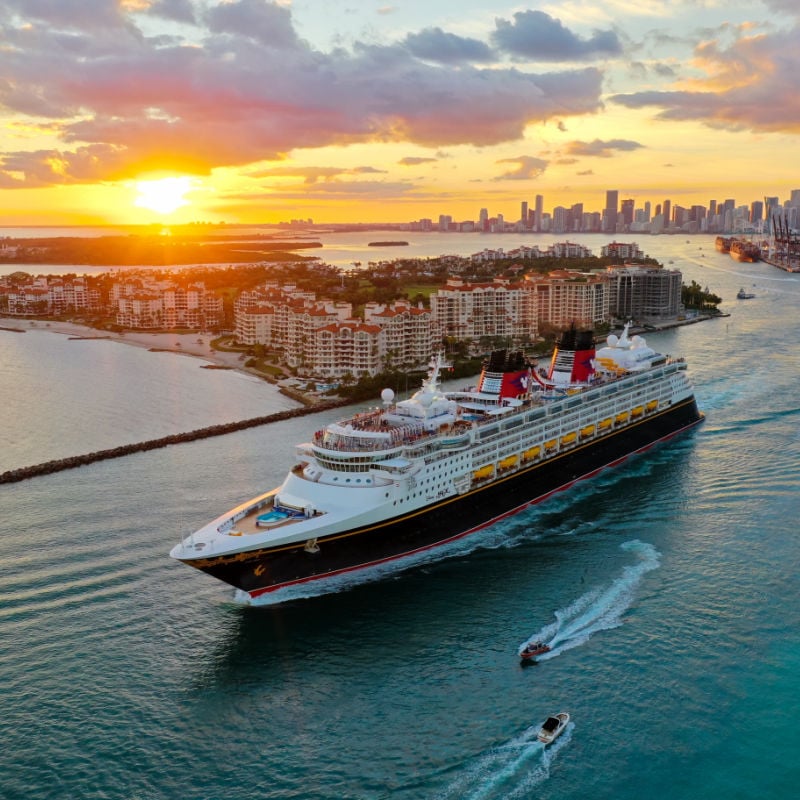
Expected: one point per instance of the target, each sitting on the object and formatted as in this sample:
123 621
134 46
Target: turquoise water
669 587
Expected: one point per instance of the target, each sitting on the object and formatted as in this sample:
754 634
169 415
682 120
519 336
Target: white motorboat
553 727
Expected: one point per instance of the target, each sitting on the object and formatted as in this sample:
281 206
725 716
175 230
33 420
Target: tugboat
743 295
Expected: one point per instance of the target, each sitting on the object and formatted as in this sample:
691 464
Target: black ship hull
262 571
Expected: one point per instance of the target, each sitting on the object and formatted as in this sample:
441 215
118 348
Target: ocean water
669 586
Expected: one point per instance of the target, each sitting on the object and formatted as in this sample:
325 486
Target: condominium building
164 304
643 292
566 297
321 338
473 310
411 337
342 348
621 250
49 295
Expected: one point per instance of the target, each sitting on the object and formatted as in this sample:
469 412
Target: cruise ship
414 475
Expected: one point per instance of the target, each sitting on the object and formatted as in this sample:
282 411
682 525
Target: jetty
72 462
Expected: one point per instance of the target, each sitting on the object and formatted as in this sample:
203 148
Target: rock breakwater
72 462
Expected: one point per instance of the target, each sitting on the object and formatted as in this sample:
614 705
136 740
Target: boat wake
511 770
600 609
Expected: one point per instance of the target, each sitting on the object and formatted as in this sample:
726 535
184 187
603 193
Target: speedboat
553 728
533 649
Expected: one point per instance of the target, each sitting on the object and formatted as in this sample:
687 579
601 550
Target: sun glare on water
164 195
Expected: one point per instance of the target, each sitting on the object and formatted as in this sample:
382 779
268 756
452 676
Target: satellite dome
387 395
612 340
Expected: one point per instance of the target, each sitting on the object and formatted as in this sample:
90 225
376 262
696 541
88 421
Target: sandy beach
184 344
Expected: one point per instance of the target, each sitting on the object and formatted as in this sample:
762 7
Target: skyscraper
627 212
610 212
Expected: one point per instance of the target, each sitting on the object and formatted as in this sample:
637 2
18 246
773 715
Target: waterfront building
411 337
341 348
569 297
644 292
473 310
569 250
165 304
622 250
139 311
49 295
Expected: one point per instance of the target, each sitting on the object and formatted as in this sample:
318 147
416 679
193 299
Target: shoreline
188 344
185 344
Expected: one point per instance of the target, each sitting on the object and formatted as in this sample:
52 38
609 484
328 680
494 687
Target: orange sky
357 111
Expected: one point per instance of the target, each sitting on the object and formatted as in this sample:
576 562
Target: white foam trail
599 609
509 771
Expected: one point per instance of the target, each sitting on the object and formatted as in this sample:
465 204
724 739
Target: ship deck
248 524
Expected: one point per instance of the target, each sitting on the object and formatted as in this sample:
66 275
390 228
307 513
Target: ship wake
511 770
600 609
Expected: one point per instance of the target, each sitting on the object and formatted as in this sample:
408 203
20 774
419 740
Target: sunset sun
164 195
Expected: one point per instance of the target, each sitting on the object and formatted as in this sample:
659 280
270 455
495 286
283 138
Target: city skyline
249 111
623 215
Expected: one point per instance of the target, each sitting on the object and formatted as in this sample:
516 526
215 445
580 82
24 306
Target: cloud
412 161
537 36
312 175
267 23
527 168
336 190
88 15
433 44
245 89
749 85
599 148
175 10
37 168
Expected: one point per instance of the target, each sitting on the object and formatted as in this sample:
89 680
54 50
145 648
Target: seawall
71 462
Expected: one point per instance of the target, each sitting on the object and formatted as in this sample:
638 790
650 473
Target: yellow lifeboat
637 411
507 463
604 424
568 438
483 472
550 446
651 406
621 417
587 431
531 453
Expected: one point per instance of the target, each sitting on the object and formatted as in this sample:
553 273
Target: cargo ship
414 475
723 243
743 250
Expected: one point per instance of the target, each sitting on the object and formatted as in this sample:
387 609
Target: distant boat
743 295
553 728
531 650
